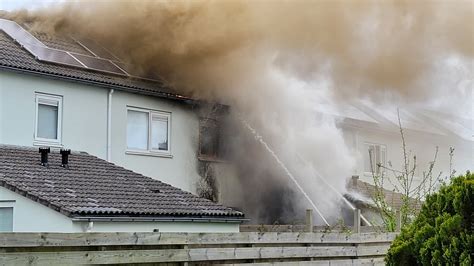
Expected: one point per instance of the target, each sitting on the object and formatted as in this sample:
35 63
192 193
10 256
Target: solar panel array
102 62
96 49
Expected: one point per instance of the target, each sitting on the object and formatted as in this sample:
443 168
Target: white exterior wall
84 125
181 169
30 216
84 117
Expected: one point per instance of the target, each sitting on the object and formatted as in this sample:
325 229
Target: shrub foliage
442 234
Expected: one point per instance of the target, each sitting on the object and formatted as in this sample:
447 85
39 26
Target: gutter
157 219
109 125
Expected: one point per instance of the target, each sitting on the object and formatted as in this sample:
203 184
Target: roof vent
44 155
65 157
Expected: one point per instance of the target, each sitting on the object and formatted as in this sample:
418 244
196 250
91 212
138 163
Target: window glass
368 158
137 130
6 219
374 155
47 121
159 131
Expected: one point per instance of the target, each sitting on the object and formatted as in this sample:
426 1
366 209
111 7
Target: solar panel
104 60
18 33
52 55
99 64
96 49
133 72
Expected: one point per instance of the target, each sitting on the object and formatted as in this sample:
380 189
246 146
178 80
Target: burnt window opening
209 139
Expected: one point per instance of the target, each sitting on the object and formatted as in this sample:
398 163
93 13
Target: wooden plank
181 255
111 239
364 261
373 250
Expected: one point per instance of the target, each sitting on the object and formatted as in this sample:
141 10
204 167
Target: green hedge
442 233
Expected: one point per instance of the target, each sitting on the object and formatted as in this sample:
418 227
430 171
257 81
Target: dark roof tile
92 186
14 57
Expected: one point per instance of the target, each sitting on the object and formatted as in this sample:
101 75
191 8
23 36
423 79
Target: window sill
47 143
211 159
149 153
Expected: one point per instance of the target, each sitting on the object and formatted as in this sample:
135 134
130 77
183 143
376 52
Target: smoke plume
273 61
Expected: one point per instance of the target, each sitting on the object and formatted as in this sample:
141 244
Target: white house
427 133
65 93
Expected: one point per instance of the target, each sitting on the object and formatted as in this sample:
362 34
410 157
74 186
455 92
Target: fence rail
193 248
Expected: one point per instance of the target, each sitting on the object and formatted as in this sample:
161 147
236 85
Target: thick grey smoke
273 61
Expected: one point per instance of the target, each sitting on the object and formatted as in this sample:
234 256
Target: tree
403 183
442 233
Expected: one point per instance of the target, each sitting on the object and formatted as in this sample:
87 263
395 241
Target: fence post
398 220
309 220
357 220
186 263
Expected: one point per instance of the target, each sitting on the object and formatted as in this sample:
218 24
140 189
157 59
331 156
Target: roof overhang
159 219
170 96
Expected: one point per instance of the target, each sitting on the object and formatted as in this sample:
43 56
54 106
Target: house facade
373 136
82 117
134 122
93 105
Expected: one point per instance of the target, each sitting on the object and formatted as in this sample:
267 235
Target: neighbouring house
60 92
44 190
371 129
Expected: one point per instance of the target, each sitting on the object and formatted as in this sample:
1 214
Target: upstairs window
6 219
212 144
209 136
148 131
374 155
48 118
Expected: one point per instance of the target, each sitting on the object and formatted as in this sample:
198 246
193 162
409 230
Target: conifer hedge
442 233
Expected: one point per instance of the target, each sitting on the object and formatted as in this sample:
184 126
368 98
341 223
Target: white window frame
150 151
9 204
382 147
53 100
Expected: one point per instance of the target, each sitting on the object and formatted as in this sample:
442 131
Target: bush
442 234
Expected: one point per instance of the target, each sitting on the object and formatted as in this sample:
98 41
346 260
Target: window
148 131
208 138
374 155
212 145
6 219
48 118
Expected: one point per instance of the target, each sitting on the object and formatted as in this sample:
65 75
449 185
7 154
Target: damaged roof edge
170 96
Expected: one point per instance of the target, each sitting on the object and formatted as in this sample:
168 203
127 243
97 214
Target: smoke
274 61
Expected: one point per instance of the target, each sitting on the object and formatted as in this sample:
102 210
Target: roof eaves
101 84
156 218
34 198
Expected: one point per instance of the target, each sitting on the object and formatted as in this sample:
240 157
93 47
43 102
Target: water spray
290 175
320 177
259 138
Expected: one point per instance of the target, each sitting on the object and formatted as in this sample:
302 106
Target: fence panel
219 248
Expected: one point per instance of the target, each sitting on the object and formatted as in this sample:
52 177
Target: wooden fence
288 248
